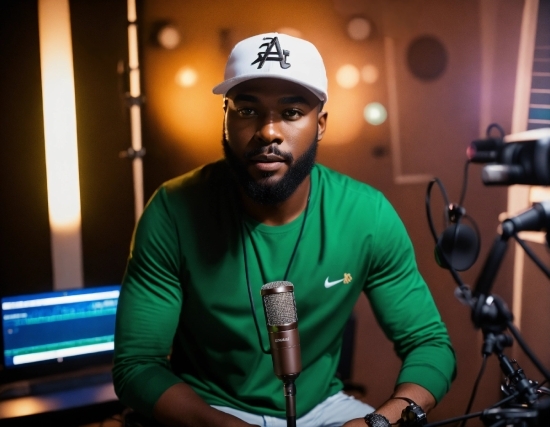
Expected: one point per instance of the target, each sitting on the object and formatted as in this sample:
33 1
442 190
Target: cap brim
225 86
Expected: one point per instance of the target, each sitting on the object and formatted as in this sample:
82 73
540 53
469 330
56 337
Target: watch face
415 414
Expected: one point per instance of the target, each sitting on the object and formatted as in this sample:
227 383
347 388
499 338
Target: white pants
333 412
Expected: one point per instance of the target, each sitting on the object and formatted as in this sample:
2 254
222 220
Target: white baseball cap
278 56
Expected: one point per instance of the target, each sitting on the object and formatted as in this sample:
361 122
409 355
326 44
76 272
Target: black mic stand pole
290 400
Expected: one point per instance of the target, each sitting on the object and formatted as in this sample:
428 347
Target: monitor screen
58 326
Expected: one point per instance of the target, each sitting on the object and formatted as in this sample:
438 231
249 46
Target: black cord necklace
250 296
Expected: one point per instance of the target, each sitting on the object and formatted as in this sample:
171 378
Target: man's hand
180 406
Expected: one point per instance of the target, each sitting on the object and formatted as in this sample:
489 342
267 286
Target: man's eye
246 111
292 114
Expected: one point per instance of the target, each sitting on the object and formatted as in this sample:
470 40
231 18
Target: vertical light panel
56 61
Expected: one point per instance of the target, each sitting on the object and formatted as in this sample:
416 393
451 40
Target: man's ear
321 124
224 104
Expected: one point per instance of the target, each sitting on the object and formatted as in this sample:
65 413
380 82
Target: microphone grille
280 307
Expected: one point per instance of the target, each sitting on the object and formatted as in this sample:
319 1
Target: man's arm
147 318
392 408
180 406
406 311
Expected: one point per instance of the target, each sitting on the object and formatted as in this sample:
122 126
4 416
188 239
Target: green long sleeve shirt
184 312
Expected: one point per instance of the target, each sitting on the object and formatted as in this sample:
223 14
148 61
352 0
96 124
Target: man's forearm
180 406
392 408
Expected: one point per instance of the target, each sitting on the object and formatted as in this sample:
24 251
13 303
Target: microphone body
282 326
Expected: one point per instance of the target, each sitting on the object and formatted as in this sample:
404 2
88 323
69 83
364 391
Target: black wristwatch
413 415
376 420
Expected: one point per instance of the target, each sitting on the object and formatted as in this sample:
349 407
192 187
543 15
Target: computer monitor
55 331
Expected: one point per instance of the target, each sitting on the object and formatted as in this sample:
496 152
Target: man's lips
267 162
267 158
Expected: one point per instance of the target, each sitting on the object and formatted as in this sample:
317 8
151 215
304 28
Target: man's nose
269 131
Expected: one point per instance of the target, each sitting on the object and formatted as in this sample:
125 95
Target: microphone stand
491 315
525 403
290 400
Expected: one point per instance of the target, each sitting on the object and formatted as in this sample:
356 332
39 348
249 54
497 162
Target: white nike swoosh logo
329 284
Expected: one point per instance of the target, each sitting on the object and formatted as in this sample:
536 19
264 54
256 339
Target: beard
264 191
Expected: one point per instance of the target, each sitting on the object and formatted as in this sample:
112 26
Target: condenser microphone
282 326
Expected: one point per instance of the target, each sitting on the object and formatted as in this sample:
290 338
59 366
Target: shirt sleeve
148 310
405 309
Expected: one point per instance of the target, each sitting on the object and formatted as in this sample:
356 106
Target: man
189 351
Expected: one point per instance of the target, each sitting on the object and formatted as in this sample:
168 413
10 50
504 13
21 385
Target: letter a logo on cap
270 55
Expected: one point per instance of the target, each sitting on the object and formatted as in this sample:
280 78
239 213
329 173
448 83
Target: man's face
271 132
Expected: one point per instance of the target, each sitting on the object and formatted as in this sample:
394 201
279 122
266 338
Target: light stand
134 100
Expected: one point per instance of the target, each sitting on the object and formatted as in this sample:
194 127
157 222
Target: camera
520 158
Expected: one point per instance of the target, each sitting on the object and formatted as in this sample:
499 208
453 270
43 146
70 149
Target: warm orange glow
61 142
188 113
26 406
169 37
344 124
290 31
347 76
359 28
369 73
186 77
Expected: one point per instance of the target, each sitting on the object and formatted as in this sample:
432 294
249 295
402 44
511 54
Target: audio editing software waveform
57 325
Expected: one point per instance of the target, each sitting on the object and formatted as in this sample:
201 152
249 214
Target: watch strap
376 420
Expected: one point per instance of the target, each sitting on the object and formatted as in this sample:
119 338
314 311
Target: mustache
270 149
